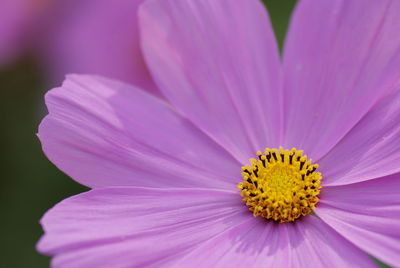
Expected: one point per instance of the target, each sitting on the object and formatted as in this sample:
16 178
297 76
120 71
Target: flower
93 36
165 173
80 36
16 19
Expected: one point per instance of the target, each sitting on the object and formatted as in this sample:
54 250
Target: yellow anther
281 185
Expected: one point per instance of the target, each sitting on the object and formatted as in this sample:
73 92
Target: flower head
165 172
281 185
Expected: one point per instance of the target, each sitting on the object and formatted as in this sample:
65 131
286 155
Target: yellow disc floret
281 185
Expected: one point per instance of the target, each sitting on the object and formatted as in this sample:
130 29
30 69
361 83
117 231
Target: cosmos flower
219 173
80 36
93 36
16 20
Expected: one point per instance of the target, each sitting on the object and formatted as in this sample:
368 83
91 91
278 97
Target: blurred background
40 41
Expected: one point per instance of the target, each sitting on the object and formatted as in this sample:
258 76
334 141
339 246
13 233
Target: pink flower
94 36
165 173
76 36
16 20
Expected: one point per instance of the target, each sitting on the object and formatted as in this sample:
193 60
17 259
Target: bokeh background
29 183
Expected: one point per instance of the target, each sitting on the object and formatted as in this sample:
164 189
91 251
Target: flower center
281 185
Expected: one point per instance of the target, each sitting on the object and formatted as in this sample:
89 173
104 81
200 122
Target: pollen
281 185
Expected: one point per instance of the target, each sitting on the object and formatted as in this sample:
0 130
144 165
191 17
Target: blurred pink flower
16 20
164 173
94 36
76 36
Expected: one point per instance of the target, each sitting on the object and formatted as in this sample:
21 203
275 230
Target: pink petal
371 149
217 61
136 227
105 133
96 37
339 58
367 214
258 243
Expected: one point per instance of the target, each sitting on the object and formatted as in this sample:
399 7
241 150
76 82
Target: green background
29 183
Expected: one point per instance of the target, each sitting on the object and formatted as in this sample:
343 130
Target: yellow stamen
281 185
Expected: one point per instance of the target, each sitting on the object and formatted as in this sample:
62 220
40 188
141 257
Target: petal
217 62
96 37
339 58
371 149
105 133
306 243
367 214
136 227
